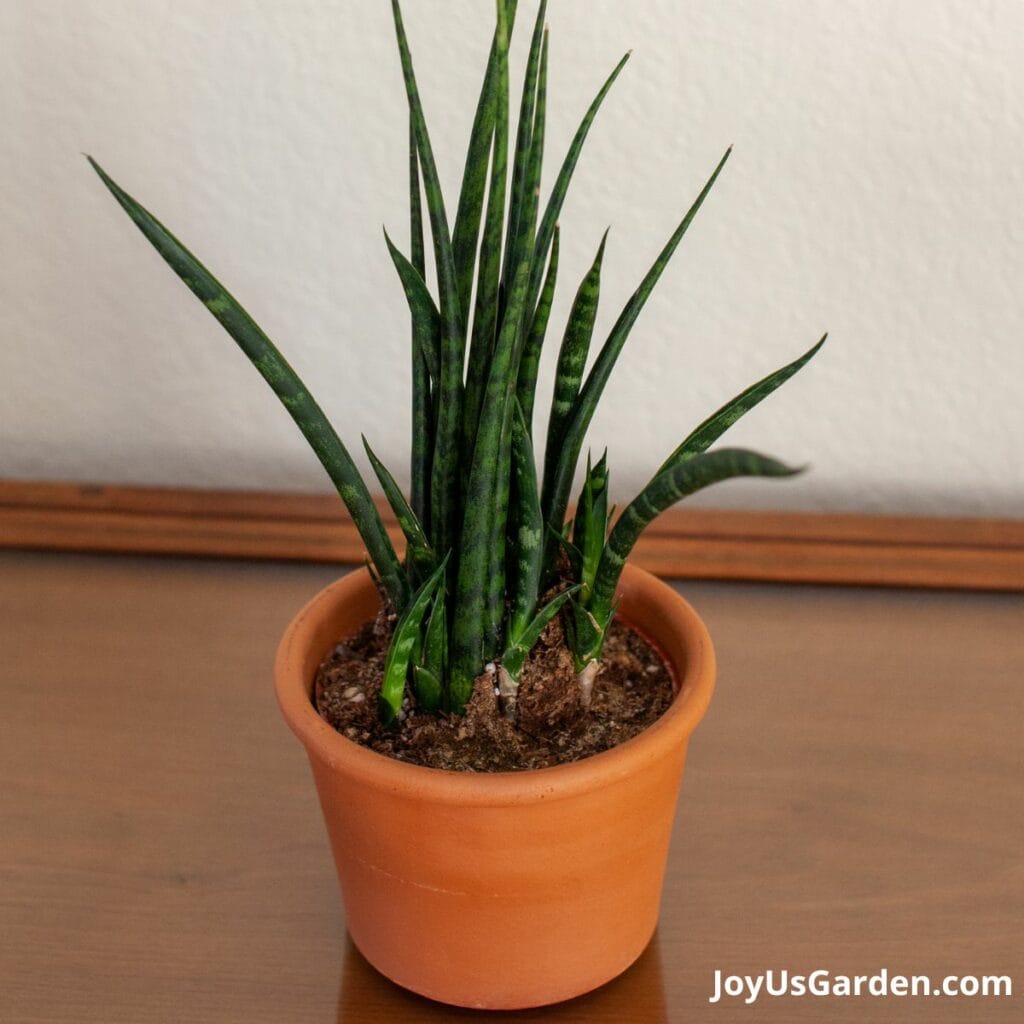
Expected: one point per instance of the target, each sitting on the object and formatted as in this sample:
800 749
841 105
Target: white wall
876 190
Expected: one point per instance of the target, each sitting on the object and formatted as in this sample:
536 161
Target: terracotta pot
509 890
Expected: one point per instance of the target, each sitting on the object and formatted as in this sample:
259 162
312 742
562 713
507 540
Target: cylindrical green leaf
529 366
444 477
422 420
403 644
485 317
466 235
521 223
719 422
478 538
554 208
555 497
572 359
527 531
284 381
676 482
419 557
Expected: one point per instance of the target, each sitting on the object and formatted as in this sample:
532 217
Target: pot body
507 890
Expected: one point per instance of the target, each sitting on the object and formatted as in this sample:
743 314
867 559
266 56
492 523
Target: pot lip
325 745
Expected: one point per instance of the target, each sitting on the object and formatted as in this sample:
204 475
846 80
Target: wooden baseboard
970 554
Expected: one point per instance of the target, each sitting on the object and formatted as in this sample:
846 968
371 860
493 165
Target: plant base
551 727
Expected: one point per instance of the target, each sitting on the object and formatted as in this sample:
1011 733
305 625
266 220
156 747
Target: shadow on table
637 996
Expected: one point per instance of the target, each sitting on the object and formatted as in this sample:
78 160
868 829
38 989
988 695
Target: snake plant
489 558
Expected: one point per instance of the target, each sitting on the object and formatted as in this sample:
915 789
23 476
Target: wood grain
852 802
978 554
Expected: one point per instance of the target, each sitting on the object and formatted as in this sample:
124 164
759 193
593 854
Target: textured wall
875 190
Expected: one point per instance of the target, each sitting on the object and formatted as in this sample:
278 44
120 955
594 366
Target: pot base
505 996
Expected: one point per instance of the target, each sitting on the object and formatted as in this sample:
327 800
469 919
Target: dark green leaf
572 358
572 552
429 669
585 634
422 418
497 570
444 478
426 320
515 656
528 530
717 424
478 539
530 363
421 557
590 528
274 368
556 490
521 224
417 248
554 208
684 477
485 318
474 178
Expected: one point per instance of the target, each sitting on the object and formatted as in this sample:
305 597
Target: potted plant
502 888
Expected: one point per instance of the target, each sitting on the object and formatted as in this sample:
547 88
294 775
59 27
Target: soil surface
633 690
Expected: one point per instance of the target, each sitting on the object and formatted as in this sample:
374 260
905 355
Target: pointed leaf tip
283 381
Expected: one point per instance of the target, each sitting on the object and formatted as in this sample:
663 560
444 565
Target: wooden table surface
854 801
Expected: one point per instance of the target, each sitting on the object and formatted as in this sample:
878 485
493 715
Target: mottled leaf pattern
718 423
466 235
556 492
419 555
520 646
403 644
284 381
422 413
444 480
554 207
479 536
530 363
488 289
590 526
572 359
426 320
528 532
680 479
430 666
522 215
474 489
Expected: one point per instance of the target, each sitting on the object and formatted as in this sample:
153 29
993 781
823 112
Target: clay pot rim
695 683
